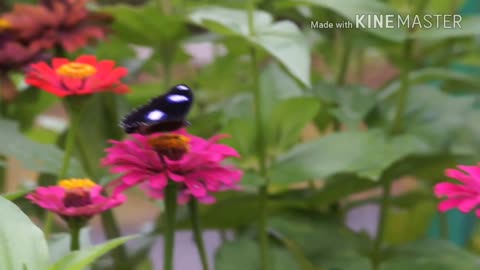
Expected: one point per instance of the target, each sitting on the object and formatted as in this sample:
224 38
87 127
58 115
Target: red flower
464 196
83 76
194 163
77 198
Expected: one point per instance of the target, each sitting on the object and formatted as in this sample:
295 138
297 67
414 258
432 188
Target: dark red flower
63 23
83 76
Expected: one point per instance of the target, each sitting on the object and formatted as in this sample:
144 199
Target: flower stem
261 146
197 232
396 128
3 173
344 60
75 117
112 231
74 235
377 244
69 144
170 210
444 226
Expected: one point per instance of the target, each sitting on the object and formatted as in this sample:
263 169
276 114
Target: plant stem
112 231
360 64
197 232
344 60
397 127
169 236
167 73
70 143
377 244
261 146
444 226
75 111
74 235
3 173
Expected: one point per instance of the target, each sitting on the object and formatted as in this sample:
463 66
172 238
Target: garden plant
293 132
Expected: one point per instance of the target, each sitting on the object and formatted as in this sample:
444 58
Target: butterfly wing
164 113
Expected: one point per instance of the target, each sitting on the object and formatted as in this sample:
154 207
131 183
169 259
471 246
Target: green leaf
288 119
244 254
433 115
430 255
114 49
297 252
408 224
234 209
351 9
243 136
16 194
59 244
22 245
80 259
339 186
276 86
29 104
427 75
143 92
95 131
325 241
366 154
469 28
33 156
145 25
280 94
283 40
351 103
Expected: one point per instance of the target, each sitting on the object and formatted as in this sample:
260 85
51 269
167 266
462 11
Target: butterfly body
162 114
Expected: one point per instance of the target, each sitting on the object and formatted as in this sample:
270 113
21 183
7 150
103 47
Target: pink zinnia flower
464 196
192 162
75 198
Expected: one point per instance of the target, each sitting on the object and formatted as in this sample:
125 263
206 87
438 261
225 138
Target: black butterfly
164 113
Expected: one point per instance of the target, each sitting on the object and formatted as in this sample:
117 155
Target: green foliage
342 111
244 254
425 255
283 40
80 259
365 153
34 156
350 9
22 244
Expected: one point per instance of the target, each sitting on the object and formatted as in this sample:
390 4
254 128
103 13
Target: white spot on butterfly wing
177 98
155 115
182 87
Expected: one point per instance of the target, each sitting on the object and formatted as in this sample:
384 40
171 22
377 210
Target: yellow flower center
5 24
73 184
76 70
174 146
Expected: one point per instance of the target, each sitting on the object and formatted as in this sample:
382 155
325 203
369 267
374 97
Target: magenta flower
464 196
192 162
75 198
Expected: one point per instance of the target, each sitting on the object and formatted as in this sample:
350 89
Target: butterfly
162 114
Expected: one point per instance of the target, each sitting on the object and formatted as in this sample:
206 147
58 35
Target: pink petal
467 205
448 189
196 188
449 204
158 181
